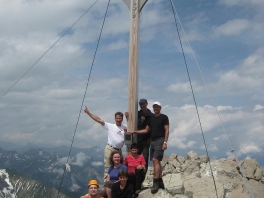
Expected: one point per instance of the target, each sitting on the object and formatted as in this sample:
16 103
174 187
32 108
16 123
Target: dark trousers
136 179
144 150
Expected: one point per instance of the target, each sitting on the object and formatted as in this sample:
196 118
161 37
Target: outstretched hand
86 110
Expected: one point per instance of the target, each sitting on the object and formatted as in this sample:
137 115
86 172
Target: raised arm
164 146
94 117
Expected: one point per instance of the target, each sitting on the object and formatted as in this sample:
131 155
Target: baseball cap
156 103
143 101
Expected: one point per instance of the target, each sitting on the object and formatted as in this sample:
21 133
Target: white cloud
75 187
61 161
245 78
18 136
221 137
232 27
249 148
183 87
180 143
80 159
248 157
242 2
185 131
75 161
258 107
58 170
230 155
121 44
97 163
211 147
44 106
222 108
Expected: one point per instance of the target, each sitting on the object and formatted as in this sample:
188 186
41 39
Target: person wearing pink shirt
136 166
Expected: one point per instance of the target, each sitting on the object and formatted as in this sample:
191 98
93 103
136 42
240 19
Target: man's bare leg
157 168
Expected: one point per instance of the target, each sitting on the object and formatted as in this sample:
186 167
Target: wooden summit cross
135 6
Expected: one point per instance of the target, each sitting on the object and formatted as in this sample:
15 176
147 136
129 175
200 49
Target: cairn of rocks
191 177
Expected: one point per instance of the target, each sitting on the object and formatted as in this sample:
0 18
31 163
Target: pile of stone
191 177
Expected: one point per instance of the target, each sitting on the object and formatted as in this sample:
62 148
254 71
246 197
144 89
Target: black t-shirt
143 120
127 192
157 125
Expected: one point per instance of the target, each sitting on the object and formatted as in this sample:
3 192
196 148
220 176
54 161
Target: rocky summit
191 177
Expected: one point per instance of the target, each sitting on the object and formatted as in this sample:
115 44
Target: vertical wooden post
133 66
135 7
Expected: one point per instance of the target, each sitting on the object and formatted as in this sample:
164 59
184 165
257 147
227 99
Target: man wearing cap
93 188
143 140
115 140
159 126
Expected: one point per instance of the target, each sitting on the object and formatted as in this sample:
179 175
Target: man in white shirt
115 140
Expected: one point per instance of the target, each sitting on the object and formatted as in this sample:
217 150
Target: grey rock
203 159
249 167
258 174
182 196
164 162
172 156
192 178
169 168
192 156
160 194
192 167
173 184
180 159
175 163
183 167
257 188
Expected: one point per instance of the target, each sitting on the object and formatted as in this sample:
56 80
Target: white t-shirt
115 135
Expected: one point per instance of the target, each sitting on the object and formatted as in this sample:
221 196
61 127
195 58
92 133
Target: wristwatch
164 142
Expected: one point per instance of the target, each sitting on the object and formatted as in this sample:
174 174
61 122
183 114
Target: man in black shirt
159 126
143 140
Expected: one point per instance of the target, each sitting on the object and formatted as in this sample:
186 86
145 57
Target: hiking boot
155 187
161 184
136 193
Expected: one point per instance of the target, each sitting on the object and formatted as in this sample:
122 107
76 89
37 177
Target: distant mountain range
46 165
42 166
15 185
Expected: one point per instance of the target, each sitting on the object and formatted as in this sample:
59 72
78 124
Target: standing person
122 188
136 166
115 139
159 126
143 140
116 161
93 188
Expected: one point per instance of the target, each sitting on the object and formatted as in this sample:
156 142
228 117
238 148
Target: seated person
93 188
136 165
122 189
116 161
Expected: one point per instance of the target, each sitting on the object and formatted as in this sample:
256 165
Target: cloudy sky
43 107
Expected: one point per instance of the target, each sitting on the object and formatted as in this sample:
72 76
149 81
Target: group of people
123 178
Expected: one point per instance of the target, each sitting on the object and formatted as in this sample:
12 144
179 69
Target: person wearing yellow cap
93 187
